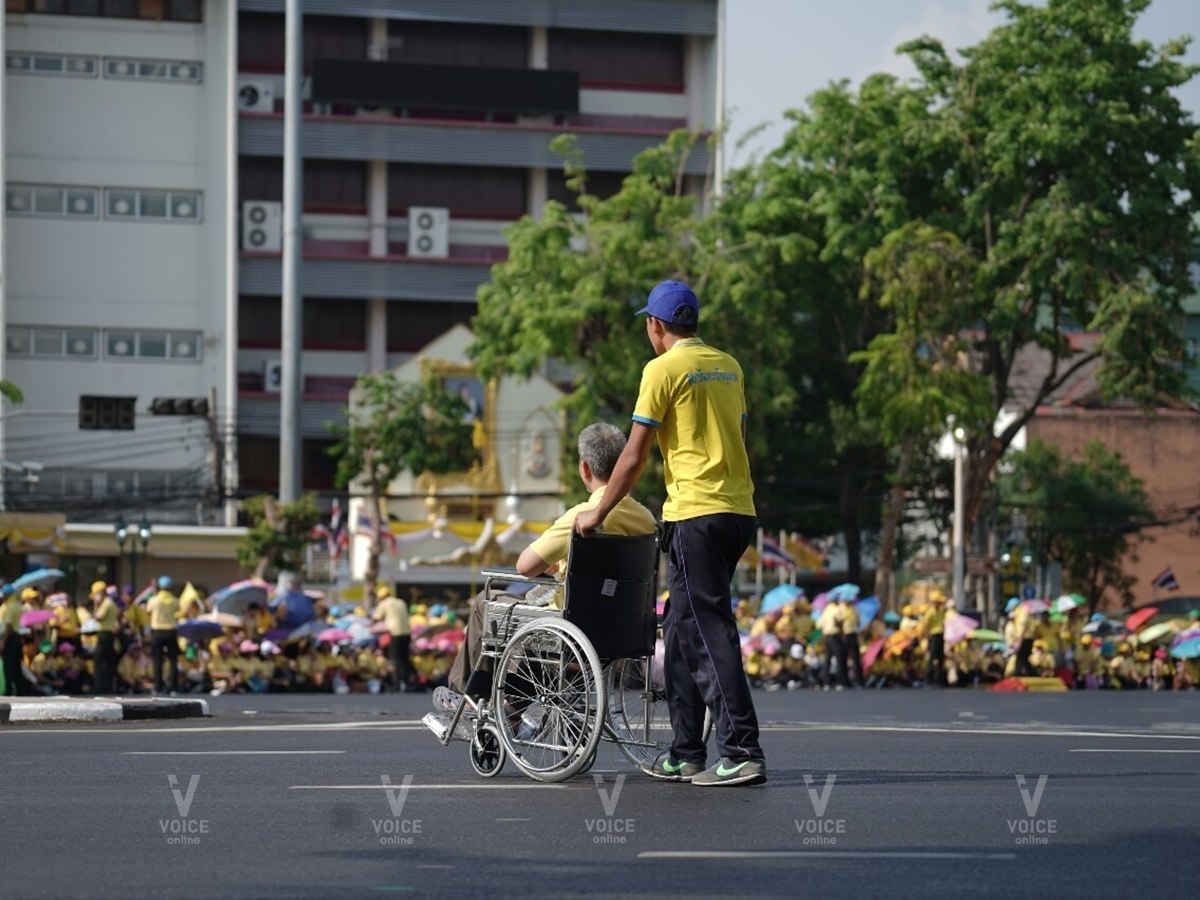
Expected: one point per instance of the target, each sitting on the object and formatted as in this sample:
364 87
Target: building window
30 341
50 200
106 413
411 324
52 64
171 346
601 185
452 44
465 190
259 322
153 70
615 58
330 185
334 324
173 206
155 10
261 44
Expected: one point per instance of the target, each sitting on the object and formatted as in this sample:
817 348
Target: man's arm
530 564
625 475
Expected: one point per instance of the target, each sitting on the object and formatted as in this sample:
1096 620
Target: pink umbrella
36 617
1037 607
381 628
334 635
872 654
959 629
820 602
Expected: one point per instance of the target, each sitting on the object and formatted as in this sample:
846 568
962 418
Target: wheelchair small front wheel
487 752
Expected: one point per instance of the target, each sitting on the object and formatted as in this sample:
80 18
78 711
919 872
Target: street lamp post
138 541
958 550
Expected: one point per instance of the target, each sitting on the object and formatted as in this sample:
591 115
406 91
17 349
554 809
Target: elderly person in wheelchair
600 446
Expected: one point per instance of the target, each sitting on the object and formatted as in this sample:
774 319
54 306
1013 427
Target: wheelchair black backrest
610 584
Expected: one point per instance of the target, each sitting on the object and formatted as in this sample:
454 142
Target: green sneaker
668 769
728 773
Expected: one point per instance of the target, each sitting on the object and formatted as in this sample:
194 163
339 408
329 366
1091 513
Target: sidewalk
98 709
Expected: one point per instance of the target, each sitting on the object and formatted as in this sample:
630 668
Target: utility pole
293 237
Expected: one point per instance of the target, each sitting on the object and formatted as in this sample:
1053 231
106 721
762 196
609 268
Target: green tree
11 392
394 427
1086 513
277 535
1076 179
915 378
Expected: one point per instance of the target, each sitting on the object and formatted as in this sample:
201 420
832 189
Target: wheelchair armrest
507 574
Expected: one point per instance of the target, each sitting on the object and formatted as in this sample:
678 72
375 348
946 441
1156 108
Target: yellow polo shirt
164 611
394 613
106 615
627 518
934 620
695 396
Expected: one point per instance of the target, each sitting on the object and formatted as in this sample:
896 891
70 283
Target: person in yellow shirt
802 621
393 612
600 446
135 670
933 628
223 670
15 683
830 626
107 622
163 608
853 657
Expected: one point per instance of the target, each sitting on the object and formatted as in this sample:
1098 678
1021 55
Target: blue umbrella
39 578
299 608
1189 649
776 597
867 609
236 598
308 631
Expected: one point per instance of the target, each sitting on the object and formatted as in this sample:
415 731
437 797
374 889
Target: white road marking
1011 732
815 854
204 729
228 752
1094 750
431 787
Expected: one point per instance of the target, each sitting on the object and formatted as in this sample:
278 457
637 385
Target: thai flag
774 555
334 534
366 528
1166 580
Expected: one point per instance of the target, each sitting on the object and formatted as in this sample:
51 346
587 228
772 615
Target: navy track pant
703 657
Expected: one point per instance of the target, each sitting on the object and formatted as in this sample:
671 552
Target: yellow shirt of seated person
628 517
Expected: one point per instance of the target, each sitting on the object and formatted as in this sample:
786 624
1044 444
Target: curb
62 709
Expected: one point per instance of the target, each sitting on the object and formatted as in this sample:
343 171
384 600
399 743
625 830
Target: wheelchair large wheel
487 752
549 698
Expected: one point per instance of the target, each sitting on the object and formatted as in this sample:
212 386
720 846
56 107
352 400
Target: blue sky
780 51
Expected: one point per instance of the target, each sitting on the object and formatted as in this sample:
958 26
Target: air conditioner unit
428 232
273 376
256 96
262 226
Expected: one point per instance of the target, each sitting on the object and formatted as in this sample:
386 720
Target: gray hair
600 445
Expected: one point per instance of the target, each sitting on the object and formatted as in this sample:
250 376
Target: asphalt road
871 793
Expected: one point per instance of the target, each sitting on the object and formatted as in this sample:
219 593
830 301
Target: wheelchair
561 681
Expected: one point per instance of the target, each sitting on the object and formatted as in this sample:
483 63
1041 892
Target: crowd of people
828 643
163 643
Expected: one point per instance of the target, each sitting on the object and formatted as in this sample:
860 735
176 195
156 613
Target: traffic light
179 406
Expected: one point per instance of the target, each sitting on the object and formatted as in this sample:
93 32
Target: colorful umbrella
224 620
958 629
39 578
306 632
1158 631
36 617
1141 617
1068 602
1189 649
334 635
1036 607
236 598
867 609
776 597
872 654
819 603
986 634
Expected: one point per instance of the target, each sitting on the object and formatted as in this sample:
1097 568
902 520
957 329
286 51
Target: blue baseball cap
674 302
165 582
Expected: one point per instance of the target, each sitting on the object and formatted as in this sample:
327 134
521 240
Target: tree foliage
277 534
11 392
1085 513
393 427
